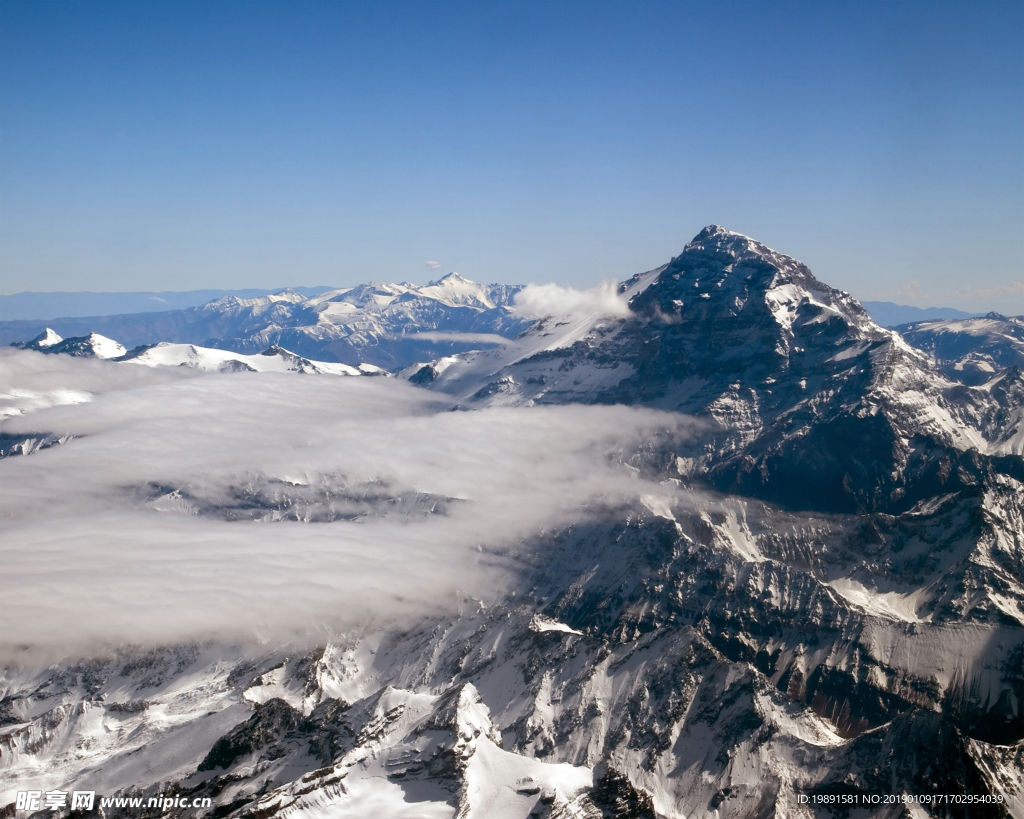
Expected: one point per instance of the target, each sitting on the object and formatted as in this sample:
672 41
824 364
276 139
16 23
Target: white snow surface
16 401
48 338
275 359
104 347
884 604
452 289
504 785
541 624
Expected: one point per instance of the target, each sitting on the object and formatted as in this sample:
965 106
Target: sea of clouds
87 565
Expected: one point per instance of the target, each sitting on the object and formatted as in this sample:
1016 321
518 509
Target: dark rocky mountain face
734 330
729 311
827 601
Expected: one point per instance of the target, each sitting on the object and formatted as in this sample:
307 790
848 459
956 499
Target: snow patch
882 604
540 623
504 785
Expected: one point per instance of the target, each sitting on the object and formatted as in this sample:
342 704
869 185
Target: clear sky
180 145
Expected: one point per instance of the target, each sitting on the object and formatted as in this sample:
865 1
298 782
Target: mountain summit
726 306
722 275
787 369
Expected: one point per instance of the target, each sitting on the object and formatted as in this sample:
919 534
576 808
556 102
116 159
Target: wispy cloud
911 290
543 300
469 338
1010 289
433 265
87 563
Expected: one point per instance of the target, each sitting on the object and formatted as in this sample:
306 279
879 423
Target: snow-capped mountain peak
273 359
91 346
455 290
720 272
381 324
727 297
747 337
47 338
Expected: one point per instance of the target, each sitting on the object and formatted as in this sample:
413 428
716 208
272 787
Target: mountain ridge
387 325
891 315
35 306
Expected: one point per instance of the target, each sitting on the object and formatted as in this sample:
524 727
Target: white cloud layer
86 564
543 300
469 338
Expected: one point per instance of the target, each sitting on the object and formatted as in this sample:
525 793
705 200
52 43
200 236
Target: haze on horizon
151 147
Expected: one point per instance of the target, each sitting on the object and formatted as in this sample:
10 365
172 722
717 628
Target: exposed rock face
258 497
829 601
27 444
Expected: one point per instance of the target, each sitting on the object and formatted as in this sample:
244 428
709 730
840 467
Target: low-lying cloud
89 560
543 300
468 338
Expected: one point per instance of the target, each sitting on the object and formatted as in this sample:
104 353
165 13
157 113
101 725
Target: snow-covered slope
388 325
970 350
484 377
273 359
726 306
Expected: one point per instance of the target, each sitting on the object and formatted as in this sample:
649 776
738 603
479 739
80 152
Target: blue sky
179 145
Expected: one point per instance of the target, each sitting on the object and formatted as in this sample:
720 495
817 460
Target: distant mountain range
30 306
889 314
386 325
164 354
36 307
379 325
